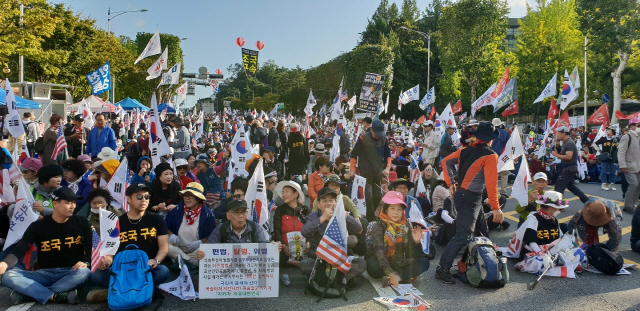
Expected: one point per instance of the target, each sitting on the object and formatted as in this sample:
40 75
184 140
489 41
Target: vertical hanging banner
250 61
100 79
370 93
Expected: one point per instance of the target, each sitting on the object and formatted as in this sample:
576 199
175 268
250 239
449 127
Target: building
512 32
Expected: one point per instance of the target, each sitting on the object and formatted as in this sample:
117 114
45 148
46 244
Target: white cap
539 175
181 162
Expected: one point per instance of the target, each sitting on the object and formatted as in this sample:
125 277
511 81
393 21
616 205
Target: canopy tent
129 104
96 104
169 108
21 103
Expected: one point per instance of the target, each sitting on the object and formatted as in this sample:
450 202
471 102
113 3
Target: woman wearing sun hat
598 213
190 223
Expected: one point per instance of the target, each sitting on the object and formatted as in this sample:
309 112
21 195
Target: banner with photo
250 61
371 92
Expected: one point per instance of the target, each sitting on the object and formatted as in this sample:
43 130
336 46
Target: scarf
74 185
191 215
44 192
544 215
320 175
592 235
394 234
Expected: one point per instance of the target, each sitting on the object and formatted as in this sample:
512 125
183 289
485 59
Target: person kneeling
395 250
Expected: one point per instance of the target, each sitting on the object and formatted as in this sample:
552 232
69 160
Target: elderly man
100 136
430 144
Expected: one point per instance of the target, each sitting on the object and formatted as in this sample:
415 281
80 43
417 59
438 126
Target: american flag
344 96
333 245
96 245
414 171
60 143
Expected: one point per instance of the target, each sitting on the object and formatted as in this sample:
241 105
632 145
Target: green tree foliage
612 25
549 42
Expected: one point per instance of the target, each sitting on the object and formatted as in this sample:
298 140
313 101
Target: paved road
588 291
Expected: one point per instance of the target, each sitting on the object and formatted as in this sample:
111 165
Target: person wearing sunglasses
143 229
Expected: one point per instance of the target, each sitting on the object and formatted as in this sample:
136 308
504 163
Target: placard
249 270
371 92
250 61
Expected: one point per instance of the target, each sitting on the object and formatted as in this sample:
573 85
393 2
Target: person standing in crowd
430 144
447 146
100 136
609 147
568 167
61 266
274 138
366 124
373 158
49 139
76 134
283 141
472 161
32 130
629 162
498 146
182 143
298 153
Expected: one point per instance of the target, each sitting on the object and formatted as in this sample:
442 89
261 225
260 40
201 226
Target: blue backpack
131 284
481 266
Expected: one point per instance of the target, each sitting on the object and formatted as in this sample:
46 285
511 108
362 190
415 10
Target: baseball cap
236 205
65 193
30 164
333 178
181 162
84 158
269 149
378 128
539 175
428 123
79 118
394 197
563 129
326 191
135 188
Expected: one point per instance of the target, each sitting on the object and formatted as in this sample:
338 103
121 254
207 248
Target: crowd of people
185 201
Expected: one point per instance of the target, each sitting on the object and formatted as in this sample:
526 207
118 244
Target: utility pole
585 81
428 60
21 57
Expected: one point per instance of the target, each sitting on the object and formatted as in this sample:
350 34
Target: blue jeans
607 172
469 205
159 274
42 284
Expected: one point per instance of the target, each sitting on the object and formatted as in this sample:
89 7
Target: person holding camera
289 217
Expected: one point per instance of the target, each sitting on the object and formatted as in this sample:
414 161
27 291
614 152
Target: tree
611 25
549 42
471 41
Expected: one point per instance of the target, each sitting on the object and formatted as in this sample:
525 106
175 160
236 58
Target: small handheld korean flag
109 232
118 184
256 198
240 150
182 287
513 149
159 145
13 122
520 185
358 193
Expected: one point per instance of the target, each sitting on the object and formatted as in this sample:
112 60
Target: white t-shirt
188 233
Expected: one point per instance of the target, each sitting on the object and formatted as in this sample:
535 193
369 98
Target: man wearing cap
372 155
99 137
447 146
313 230
539 184
64 245
477 167
182 143
430 144
334 182
629 162
568 167
75 134
237 229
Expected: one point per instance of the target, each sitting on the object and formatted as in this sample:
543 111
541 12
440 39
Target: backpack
326 281
224 233
481 266
131 284
603 259
38 147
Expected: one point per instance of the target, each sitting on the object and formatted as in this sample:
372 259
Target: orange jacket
315 184
477 167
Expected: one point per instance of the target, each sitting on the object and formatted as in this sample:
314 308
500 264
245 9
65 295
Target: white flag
386 104
415 215
152 48
85 110
159 144
200 122
6 196
410 94
352 102
182 91
256 198
12 121
118 183
421 190
161 64
512 150
428 99
311 102
484 100
335 149
240 150
447 118
109 232
172 76
569 93
182 287
602 132
358 193
521 184
23 214
575 78
549 90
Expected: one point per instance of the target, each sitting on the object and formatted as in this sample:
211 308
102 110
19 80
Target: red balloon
260 45
240 41
218 71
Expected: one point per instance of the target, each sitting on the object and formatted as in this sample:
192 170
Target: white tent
96 105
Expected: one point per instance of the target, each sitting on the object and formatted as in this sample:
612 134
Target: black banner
371 92
250 61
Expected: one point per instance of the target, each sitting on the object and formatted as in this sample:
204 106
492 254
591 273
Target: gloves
173 239
194 246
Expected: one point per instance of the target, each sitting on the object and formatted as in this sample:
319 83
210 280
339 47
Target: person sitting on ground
486 209
440 193
145 174
73 171
189 224
62 266
97 199
539 184
165 190
314 229
598 213
238 190
395 251
334 182
404 186
593 169
210 181
288 217
182 167
316 180
49 179
29 169
139 227
103 172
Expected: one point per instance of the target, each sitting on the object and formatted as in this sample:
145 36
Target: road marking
383 292
21 307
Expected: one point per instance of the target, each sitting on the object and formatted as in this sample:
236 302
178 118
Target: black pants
415 268
469 207
565 181
372 196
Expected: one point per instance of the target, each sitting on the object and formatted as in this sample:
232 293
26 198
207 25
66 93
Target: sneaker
70 297
351 284
604 187
285 279
97 295
612 187
444 275
628 210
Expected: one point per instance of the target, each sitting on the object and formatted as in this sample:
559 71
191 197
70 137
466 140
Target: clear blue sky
295 32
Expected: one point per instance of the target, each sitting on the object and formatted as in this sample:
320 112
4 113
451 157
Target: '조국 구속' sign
250 61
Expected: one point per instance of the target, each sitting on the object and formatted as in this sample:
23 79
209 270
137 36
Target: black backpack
326 281
38 147
603 259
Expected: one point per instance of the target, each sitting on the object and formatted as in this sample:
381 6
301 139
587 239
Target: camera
302 212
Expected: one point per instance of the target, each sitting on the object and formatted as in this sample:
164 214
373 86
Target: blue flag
100 79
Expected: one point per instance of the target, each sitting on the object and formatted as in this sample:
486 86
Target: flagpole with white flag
159 145
152 48
12 121
549 90
520 185
23 214
161 64
256 198
513 149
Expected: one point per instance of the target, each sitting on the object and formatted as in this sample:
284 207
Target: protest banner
100 79
248 270
371 92
250 61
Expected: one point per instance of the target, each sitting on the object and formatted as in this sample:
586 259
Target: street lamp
116 14
428 37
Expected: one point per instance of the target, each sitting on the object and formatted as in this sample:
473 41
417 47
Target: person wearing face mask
98 199
629 162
